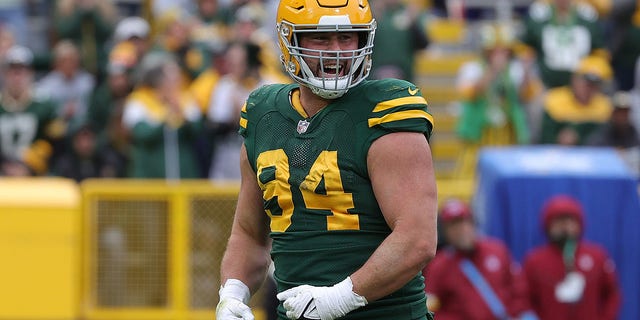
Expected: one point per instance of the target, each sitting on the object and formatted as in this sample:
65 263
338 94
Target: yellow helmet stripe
243 123
401 115
384 105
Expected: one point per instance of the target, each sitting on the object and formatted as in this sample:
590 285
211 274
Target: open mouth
335 70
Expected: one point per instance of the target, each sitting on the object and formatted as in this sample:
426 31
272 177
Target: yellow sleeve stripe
384 105
401 115
243 121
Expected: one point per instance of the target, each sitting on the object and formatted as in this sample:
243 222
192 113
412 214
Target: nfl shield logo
302 126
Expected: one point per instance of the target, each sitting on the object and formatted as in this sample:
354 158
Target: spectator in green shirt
561 33
89 24
399 35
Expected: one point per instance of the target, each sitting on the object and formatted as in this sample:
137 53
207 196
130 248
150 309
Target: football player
337 171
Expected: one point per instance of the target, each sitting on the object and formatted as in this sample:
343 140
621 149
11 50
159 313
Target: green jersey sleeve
398 106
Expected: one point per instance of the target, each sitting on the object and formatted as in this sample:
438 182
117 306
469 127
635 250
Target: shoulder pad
263 93
395 103
540 11
263 96
391 88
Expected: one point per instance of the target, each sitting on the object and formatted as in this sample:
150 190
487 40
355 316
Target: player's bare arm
248 258
402 175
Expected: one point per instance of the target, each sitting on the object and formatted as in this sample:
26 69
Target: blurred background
118 143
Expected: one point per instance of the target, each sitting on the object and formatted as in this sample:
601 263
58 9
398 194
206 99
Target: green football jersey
19 129
561 45
324 217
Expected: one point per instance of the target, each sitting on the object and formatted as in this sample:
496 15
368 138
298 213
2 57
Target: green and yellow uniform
325 220
560 44
22 123
161 143
562 110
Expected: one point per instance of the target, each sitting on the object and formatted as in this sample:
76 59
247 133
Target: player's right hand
234 297
233 309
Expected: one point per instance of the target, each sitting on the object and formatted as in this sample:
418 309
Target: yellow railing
118 249
39 249
153 249
113 249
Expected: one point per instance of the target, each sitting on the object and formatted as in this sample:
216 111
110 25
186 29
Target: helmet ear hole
285 30
292 67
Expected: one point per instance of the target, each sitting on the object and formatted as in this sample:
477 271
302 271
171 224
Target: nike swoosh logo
413 92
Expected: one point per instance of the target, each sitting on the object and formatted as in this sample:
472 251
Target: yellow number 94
324 168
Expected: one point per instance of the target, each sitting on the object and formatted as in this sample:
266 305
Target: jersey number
324 168
17 134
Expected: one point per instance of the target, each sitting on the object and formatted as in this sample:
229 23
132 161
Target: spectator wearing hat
134 30
570 278
493 90
619 132
26 120
473 277
572 113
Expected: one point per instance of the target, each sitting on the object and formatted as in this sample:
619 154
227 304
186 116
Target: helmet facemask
357 61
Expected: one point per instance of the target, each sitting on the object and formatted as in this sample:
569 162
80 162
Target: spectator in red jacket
570 278
473 278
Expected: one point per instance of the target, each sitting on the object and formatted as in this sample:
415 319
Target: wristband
234 288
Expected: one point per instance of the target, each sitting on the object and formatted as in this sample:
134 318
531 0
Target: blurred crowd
563 72
153 88
149 88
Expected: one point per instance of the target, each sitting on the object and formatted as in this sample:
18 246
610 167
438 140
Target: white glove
325 303
234 297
